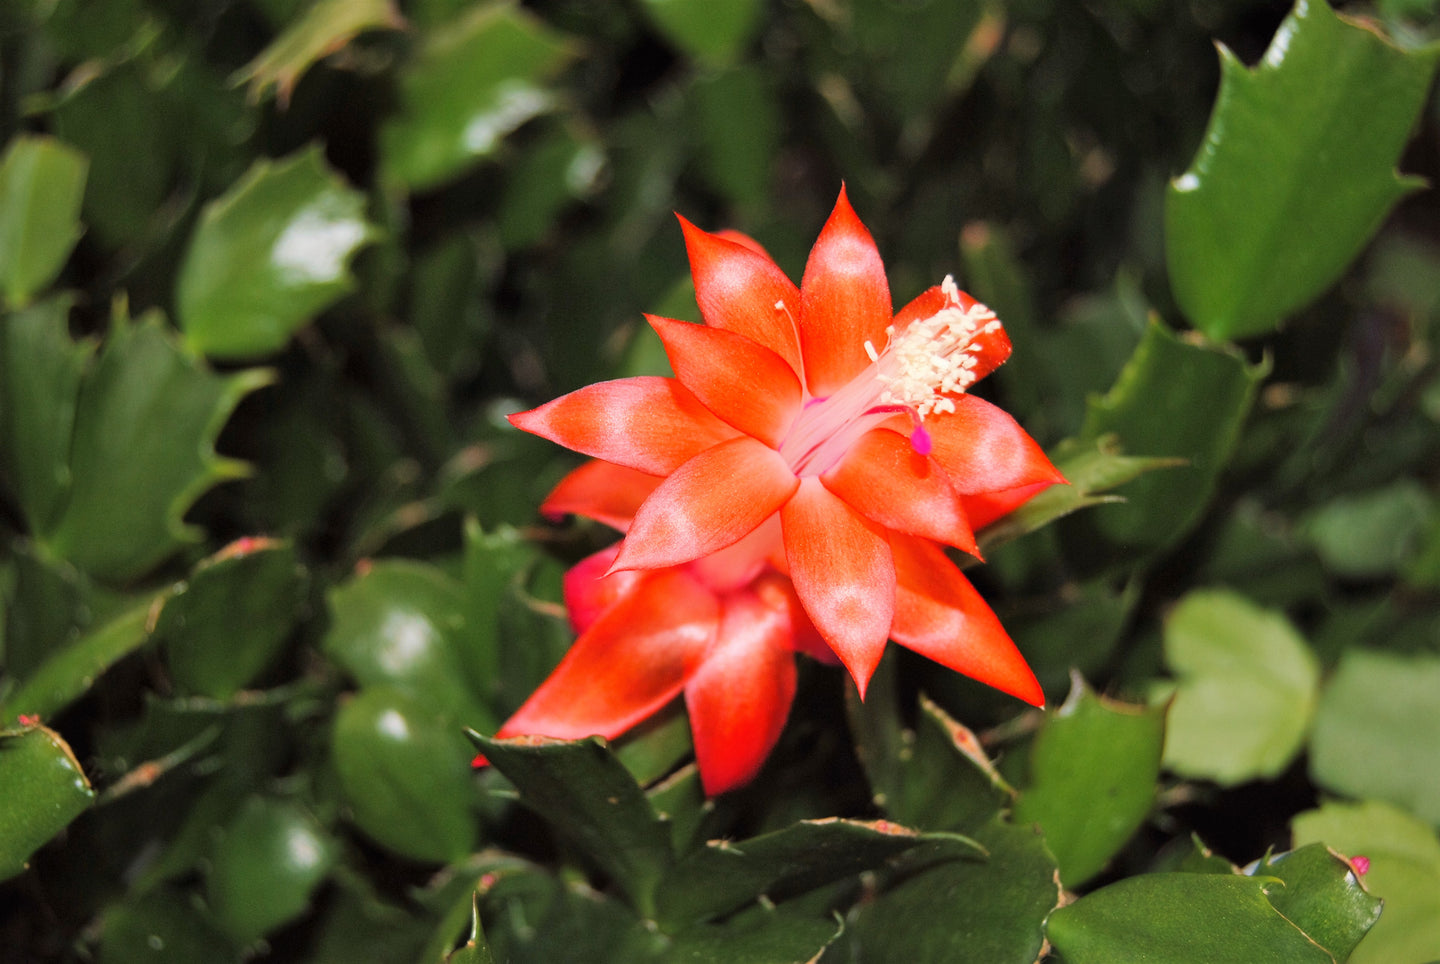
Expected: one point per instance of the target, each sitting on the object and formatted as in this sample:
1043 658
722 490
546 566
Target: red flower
722 629
809 429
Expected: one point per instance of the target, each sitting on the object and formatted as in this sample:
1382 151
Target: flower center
918 373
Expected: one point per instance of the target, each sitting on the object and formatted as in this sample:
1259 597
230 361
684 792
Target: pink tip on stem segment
1361 864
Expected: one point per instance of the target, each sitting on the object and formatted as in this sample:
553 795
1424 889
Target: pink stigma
920 440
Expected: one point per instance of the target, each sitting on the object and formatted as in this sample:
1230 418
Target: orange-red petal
740 695
844 301
843 573
885 479
648 423
983 449
601 491
994 346
987 507
938 614
631 662
590 593
740 289
710 502
744 383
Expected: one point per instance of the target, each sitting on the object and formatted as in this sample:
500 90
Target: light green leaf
146 421
1404 871
1371 534
1214 918
712 31
1296 172
268 256
42 183
40 372
45 789
323 29
1247 688
1093 770
1179 398
267 863
405 778
1377 731
473 83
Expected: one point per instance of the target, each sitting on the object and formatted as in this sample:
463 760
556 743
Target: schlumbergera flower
810 432
719 629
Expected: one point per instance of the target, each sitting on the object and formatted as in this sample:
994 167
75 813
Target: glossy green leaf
402 624
476 950
145 426
1182 917
473 83
1296 172
405 778
1092 467
266 865
715 33
1176 398
1404 871
1247 688
1322 896
70 671
163 926
1372 534
225 623
1377 731
588 795
1093 772
964 911
725 874
42 182
45 789
268 256
325 28
40 372
933 777
534 917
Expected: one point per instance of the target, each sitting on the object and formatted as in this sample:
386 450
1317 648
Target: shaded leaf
1247 688
40 372
405 777
268 256
761 936
476 950
1181 917
45 789
1404 856
323 29
726 874
715 33
1093 770
473 83
145 426
70 671
162 926
588 795
227 621
42 182
268 862
1377 731
964 911
1296 172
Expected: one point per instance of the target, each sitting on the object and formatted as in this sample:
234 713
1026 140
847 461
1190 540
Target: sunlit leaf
1377 731
1247 688
42 182
1296 172
268 256
45 789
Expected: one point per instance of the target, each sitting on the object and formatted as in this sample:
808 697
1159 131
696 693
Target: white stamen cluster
933 358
